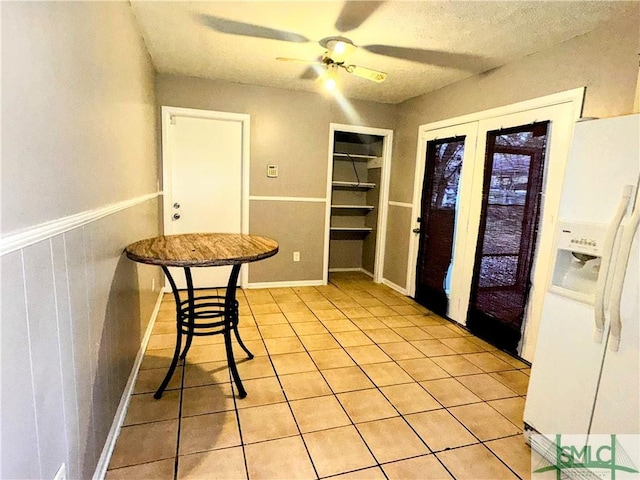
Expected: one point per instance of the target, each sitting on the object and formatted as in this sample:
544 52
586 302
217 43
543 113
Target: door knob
176 205
176 216
416 230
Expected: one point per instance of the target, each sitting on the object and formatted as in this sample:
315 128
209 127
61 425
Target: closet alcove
358 176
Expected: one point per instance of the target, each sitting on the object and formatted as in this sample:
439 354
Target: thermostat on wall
272 171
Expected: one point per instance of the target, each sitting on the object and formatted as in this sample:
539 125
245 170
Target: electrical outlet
296 256
61 474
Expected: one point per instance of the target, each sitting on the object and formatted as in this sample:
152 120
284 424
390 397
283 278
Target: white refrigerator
585 377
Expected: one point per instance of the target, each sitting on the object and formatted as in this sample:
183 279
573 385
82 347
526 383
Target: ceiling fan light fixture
331 77
330 84
340 47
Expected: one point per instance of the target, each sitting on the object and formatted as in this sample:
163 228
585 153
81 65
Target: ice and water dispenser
578 257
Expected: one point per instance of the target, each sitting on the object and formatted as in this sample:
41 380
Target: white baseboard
395 287
299 283
107 451
355 269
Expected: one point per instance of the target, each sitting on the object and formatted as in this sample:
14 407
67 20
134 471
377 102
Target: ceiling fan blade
233 27
299 60
459 61
369 74
314 72
354 14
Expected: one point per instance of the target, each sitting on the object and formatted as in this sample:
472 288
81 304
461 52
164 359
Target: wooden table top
202 249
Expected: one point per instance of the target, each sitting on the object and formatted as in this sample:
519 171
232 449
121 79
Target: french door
448 176
437 222
487 267
511 196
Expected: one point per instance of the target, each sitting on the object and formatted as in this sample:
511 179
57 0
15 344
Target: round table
208 314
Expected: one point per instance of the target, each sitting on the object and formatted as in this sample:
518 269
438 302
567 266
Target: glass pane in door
508 229
437 222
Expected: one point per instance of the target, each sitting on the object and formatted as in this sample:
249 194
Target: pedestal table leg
231 323
176 353
191 319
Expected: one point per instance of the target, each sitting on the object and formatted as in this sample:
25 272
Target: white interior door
203 180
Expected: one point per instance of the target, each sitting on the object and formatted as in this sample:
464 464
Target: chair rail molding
23 238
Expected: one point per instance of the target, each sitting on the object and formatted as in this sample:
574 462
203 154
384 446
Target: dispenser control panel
582 237
578 256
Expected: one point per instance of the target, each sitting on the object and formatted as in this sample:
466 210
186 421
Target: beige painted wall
72 135
291 223
605 61
397 245
78 133
290 129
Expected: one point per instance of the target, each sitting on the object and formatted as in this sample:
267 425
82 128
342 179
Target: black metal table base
205 315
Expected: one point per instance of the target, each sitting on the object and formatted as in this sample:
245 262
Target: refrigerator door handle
628 233
605 266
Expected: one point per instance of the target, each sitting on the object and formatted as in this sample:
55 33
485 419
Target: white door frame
383 200
569 107
167 113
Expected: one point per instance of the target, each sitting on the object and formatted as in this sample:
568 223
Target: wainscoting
74 311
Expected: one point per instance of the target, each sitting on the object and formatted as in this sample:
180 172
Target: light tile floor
349 381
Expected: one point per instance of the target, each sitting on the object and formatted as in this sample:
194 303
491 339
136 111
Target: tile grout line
373 383
480 442
340 403
327 296
288 402
236 411
401 415
335 395
234 390
333 392
177 459
277 376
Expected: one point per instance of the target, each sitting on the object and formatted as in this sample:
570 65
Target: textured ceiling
421 45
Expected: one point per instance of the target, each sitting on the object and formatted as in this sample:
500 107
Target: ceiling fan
334 58
352 16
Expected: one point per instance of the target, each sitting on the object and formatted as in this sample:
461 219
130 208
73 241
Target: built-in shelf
351 208
352 229
355 156
357 167
363 185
